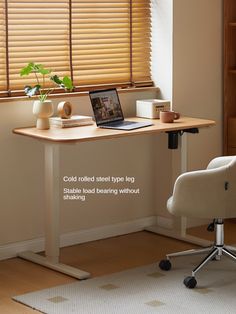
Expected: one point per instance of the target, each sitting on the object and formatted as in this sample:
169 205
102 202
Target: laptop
108 112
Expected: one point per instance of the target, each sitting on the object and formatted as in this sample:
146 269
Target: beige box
150 108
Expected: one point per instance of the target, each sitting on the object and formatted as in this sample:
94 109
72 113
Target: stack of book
71 122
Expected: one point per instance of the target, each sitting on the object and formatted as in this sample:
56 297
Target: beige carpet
144 290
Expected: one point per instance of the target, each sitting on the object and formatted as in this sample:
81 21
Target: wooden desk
92 133
52 139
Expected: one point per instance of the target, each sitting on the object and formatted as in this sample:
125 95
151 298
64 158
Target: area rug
144 290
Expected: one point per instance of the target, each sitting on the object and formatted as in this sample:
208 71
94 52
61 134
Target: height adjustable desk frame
52 139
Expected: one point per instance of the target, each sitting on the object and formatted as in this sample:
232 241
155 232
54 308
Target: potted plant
43 107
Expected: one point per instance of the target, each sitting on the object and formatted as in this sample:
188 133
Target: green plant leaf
56 79
65 83
39 68
31 91
29 68
68 83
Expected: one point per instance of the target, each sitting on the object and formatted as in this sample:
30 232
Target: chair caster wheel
190 282
165 264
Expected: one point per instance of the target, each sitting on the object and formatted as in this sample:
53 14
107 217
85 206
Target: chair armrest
220 161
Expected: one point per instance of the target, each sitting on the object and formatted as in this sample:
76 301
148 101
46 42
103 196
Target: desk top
92 133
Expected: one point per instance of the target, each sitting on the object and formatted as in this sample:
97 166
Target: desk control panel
173 136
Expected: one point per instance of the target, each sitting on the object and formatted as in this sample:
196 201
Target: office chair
209 194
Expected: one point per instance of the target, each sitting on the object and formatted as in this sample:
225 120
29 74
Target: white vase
43 110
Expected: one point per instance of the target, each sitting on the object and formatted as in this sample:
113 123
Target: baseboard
164 222
72 238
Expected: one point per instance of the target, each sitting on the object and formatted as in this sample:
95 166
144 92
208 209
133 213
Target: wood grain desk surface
92 133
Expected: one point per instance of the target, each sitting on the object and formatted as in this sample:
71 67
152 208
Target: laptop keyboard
119 123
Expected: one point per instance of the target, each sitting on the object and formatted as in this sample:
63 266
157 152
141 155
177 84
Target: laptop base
126 125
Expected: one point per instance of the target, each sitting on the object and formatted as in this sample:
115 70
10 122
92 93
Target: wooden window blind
3 71
95 42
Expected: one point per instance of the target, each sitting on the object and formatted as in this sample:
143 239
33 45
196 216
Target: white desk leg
184 168
180 223
52 209
52 218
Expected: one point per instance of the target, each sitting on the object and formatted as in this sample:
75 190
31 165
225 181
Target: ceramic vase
43 110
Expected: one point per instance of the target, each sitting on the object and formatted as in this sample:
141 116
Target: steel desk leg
52 218
179 223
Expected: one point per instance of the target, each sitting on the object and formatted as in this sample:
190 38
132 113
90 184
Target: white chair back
209 193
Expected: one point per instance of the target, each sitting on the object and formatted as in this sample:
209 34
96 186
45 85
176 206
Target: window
96 42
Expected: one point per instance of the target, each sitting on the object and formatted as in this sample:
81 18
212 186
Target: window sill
81 94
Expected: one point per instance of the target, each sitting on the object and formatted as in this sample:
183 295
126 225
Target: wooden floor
98 257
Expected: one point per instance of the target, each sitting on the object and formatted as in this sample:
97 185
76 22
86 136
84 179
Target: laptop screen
106 106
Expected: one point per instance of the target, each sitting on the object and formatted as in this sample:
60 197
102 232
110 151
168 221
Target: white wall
189 74
197 72
162 71
198 75
162 45
187 62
